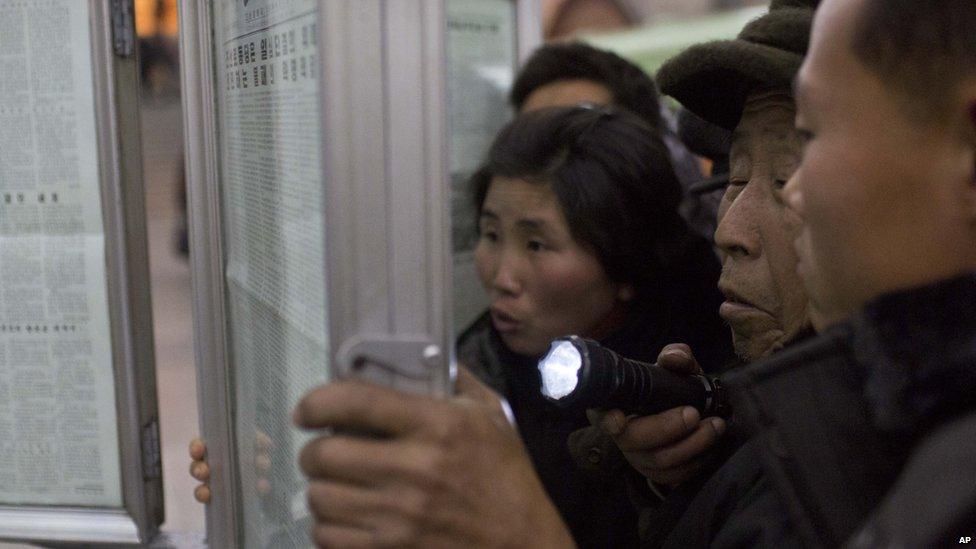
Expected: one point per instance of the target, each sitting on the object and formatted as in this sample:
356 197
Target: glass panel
268 101
58 432
482 57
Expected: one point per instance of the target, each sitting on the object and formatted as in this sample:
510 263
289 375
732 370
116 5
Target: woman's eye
805 135
490 236
535 246
779 183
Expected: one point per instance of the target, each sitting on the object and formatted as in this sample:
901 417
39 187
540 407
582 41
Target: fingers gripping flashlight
579 374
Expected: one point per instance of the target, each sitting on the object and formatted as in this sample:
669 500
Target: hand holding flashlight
671 447
580 374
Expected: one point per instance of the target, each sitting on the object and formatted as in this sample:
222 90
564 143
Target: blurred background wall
568 18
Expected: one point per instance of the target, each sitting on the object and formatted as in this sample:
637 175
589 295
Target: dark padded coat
864 436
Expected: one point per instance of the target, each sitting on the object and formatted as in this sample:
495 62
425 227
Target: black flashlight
578 374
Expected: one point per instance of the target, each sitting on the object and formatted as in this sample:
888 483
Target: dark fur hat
713 79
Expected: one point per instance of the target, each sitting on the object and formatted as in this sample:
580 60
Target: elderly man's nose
736 235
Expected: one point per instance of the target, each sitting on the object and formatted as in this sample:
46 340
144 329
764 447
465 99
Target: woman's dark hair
613 178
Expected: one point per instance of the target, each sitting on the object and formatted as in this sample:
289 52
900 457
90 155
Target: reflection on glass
271 197
59 441
482 56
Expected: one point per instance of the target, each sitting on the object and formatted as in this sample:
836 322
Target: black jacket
595 508
595 501
864 435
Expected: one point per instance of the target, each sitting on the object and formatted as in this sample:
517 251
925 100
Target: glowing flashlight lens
560 370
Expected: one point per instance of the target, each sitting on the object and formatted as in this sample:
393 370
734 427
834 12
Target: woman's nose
505 279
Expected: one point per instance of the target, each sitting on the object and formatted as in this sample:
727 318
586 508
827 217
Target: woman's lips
503 322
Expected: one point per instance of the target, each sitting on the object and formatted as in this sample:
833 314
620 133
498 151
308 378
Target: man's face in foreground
886 197
765 306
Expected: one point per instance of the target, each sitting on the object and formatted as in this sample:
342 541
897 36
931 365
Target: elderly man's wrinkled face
887 200
766 305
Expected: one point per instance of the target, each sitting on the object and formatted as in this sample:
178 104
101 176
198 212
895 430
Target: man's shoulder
826 460
933 502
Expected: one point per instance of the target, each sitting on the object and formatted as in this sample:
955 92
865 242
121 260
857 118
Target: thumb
678 358
469 386
611 422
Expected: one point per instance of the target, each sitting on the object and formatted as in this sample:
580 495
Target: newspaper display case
326 141
79 443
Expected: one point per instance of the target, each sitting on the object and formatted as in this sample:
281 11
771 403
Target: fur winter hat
713 79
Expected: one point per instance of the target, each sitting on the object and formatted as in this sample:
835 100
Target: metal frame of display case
207 268
116 89
383 138
394 94
384 157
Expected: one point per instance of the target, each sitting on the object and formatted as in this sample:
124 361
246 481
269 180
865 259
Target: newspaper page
482 55
268 98
58 432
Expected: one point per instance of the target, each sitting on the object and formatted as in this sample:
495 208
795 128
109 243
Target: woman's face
543 284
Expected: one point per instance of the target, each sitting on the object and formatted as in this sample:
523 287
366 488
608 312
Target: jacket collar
918 349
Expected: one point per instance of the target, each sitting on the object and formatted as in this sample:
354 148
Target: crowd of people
838 311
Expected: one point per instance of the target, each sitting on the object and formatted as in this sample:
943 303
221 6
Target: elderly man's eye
780 183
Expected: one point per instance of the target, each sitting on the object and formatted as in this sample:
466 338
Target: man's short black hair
631 87
921 49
